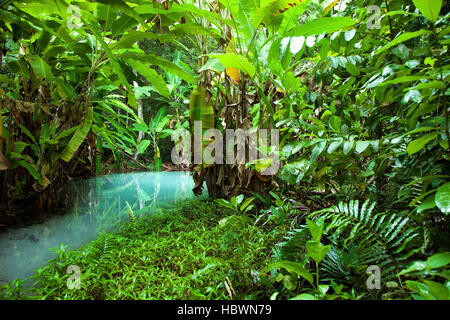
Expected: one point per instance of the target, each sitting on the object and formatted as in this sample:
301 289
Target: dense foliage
358 90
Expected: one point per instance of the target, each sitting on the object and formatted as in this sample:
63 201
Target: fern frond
101 249
359 238
376 237
131 216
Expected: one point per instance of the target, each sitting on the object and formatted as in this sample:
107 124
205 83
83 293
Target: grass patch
193 251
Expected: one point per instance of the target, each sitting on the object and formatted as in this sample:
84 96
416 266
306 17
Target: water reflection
99 204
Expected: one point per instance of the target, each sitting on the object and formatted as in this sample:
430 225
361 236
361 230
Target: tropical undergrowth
192 251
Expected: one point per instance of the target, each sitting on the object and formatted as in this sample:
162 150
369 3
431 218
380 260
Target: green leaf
438 290
152 76
237 200
429 8
438 260
290 82
318 149
107 14
352 69
293 172
347 147
401 38
32 169
335 123
214 65
415 266
294 267
78 137
428 203
316 250
133 36
41 68
231 60
246 203
428 85
361 146
143 145
304 296
442 198
224 203
333 146
316 228
418 144
320 25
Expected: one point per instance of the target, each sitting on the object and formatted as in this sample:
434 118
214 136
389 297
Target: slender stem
447 131
391 33
317 279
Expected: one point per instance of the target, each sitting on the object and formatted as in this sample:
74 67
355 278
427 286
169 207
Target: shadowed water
99 204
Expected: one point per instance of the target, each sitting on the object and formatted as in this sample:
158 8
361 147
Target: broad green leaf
166 65
65 89
115 62
238 200
415 266
428 85
333 146
268 13
418 144
442 198
294 267
428 203
402 80
78 137
320 25
318 149
107 14
290 17
225 204
315 228
246 203
41 68
438 260
129 39
214 65
152 76
348 146
438 290
316 250
143 145
429 8
361 146
352 69
403 37
231 60
335 123
32 169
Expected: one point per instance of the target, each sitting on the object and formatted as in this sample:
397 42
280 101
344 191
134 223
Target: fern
101 250
359 238
131 216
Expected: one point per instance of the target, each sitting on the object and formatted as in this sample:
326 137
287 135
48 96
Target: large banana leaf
152 76
78 137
